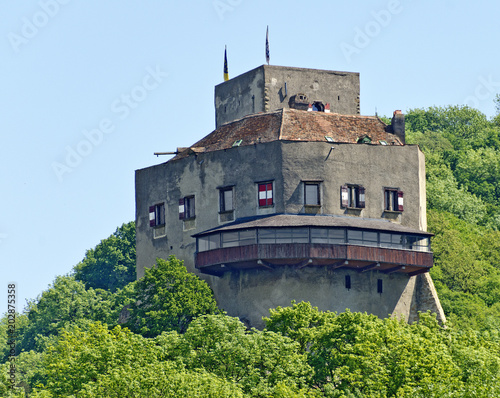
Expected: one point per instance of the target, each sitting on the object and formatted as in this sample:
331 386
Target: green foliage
360 355
168 297
18 325
461 125
463 199
466 270
444 192
298 322
159 380
479 170
65 302
258 361
111 264
81 354
462 161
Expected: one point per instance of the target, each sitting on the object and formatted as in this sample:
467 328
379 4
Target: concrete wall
250 294
263 89
287 164
200 176
372 166
240 96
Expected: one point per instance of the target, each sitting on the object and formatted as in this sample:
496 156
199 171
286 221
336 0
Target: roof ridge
251 115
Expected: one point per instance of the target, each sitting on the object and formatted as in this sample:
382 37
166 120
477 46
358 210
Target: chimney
398 125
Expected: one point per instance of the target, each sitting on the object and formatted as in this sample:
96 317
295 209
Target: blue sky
90 89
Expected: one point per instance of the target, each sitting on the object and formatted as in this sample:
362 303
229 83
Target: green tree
461 125
257 360
168 297
360 355
81 354
111 264
159 380
466 269
20 322
261 363
65 302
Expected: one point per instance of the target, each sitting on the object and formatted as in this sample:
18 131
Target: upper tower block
269 87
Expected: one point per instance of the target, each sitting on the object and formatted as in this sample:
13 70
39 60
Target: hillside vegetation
173 341
462 153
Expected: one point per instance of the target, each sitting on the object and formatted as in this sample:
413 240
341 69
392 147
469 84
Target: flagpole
226 72
267 45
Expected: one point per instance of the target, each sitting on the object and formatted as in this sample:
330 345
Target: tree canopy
111 264
168 297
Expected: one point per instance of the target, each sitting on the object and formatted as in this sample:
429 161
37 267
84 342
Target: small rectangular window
393 199
186 208
157 215
265 194
348 282
311 194
226 199
380 286
352 196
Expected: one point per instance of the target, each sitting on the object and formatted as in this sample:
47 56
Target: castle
294 196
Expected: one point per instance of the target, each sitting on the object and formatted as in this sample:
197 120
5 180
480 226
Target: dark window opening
380 287
318 107
226 200
157 215
186 208
393 199
348 282
353 196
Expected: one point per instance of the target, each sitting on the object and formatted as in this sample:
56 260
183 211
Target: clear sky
90 89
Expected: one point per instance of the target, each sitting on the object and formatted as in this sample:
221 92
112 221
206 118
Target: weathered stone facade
268 88
257 175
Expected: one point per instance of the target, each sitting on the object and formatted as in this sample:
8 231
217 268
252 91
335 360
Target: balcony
384 247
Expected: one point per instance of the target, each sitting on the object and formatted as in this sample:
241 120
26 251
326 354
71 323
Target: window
353 196
226 200
348 282
186 208
361 237
328 236
318 106
157 215
311 194
283 235
393 199
380 286
265 194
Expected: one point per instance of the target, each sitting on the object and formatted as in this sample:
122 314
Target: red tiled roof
294 125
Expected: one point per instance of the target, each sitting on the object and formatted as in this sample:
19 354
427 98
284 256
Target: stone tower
294 196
